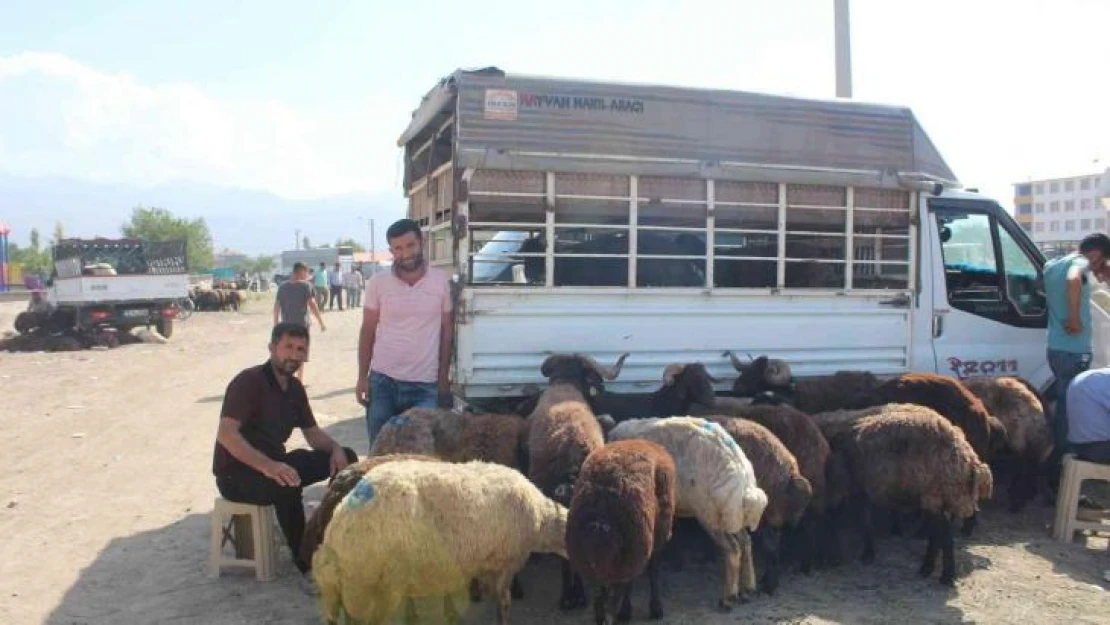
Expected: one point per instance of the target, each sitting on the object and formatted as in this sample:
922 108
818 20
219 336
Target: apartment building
1058 212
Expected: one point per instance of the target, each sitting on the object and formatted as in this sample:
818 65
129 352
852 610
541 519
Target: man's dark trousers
245 485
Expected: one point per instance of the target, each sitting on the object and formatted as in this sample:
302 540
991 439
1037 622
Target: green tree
305 245
59 233
159 224
263 264
33 258
355 246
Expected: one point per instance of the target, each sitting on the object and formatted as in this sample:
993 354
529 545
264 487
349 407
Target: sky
307 100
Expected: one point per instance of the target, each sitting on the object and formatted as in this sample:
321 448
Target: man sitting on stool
261 407
1088 406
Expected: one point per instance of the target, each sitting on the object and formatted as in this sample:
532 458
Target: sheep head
581 370
691 382
759 375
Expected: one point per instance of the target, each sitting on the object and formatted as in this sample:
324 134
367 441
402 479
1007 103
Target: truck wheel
164 326
25 322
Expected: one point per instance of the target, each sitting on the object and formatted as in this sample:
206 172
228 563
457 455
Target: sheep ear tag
361 494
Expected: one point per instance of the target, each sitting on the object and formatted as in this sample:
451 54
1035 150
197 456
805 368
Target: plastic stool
1067 501
250 530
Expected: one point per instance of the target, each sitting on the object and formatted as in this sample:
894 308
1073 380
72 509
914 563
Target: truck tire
164 326
25 322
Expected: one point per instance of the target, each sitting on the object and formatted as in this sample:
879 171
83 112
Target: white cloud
60 117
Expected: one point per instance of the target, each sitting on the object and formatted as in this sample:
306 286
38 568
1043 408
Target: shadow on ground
160 576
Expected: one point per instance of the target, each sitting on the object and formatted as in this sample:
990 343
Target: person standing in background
320 280
352 281
295 299
335 281
1068 294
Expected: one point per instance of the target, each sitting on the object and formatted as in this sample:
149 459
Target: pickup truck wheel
164 326
25 322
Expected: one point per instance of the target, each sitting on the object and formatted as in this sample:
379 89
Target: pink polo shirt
406 345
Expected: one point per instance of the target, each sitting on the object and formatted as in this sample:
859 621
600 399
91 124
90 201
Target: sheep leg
947 546
933 546
969 525
411 617
574 593
1023 486
868 534
769 542
475 591
504 597
450 612
655 604
832 554
747 566
623 593
601 605
517 590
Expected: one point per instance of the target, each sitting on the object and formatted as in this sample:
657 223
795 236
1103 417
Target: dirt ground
105 501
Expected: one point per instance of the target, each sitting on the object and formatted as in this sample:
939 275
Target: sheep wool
342 484
454 436
776 471
620 518
1019 409
716 484
413 529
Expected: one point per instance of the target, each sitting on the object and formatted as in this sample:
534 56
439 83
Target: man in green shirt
1068 291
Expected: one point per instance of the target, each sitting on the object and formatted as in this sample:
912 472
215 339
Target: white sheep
412 529
716 485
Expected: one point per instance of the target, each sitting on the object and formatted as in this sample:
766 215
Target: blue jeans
389 397
1065 366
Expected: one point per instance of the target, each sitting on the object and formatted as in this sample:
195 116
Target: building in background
230 258
1058 212
373 262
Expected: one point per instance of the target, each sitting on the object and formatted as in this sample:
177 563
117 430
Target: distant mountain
253 222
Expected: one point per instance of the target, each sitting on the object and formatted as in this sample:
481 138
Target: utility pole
297 240
843 49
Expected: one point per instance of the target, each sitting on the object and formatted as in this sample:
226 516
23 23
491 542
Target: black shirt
267 412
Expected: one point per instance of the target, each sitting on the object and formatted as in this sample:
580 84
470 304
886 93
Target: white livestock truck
100 287
676 224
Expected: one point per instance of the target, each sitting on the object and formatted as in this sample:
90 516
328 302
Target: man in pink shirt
404 347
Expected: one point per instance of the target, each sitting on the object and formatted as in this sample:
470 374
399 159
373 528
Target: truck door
990 314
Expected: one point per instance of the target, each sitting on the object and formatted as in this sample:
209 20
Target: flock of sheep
217 299
450 501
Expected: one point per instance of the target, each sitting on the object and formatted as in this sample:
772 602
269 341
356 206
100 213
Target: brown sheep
1028 435
802 438
953 401
911 455
562 432
841 390
777 473
620 518
454 436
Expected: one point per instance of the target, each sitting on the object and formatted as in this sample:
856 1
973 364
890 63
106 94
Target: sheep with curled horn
769 377
760 374
683 386
563 431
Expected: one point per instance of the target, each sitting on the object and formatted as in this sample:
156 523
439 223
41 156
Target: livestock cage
547 230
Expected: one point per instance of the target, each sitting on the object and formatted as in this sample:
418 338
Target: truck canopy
491 120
